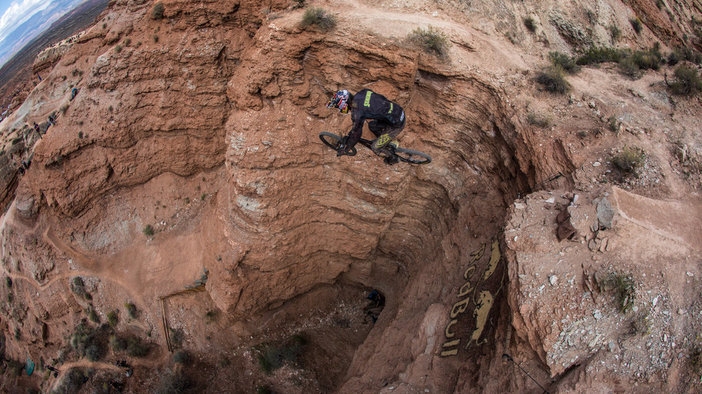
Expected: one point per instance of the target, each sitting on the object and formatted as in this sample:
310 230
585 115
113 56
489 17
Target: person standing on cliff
387 119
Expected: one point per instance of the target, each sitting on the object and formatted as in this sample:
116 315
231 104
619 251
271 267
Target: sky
14 12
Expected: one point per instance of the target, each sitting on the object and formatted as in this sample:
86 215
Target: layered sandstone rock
187 179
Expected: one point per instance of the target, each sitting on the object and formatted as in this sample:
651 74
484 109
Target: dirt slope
183 198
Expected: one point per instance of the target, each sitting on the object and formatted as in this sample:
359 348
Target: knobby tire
412 156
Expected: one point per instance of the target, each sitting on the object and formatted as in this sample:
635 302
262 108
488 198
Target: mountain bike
390 154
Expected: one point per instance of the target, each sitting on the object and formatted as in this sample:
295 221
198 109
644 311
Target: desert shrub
118 48
136 347
8 282
117 343
595 55
635 62
272 357
148 230
89 342
131 310
299 4
72 382
564 61
696 361
182 357
174 383
684 54
636 24
430 41
78 287
624 289
529 23
614 33
177 336
211 315
92 315
158 11
553 80
613 123
112 318
538 120
629 160
687 81
318 17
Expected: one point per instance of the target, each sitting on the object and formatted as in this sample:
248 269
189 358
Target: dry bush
430 41
630 160
553 80
318 17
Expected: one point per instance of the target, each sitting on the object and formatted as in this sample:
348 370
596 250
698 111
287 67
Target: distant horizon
23 20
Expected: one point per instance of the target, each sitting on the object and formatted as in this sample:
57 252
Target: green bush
131 310
595 55
636 24
687 81
613 123
529 24
117 343
137 348
564 61
89 342
630 63
112 318
318 17
614 33
148 230
92 315
680 54
158 11
78 288
430 41
553 80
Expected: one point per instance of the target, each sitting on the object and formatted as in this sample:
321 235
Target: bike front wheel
412 156
333 141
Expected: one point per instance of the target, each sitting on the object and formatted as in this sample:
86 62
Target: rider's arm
357 130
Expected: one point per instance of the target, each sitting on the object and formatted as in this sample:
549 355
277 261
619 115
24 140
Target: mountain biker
387 118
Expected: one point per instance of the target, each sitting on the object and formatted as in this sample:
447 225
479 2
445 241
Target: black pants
380 127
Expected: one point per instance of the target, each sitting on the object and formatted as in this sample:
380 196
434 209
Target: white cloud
19 12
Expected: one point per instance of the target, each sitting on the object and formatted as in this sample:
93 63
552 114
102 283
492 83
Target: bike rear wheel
412 156
333 141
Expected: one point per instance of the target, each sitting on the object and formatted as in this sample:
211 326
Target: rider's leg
388 137
377 127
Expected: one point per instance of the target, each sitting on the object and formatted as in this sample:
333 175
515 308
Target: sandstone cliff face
186 179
